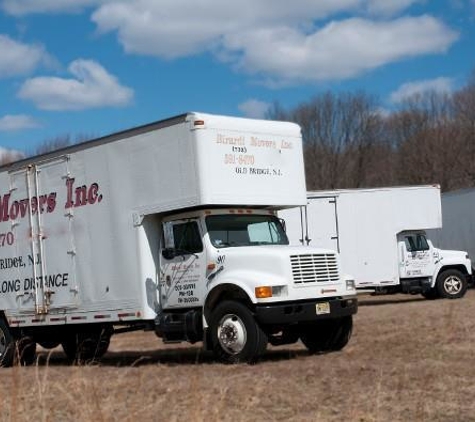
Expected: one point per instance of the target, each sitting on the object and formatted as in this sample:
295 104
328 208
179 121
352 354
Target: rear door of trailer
43 238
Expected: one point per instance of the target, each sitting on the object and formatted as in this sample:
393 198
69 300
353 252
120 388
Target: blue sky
93 67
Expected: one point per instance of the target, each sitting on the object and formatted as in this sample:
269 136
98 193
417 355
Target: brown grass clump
410 359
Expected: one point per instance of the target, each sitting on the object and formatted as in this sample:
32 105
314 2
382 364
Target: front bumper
304 311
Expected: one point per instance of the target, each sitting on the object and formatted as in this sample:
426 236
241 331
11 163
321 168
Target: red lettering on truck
21 208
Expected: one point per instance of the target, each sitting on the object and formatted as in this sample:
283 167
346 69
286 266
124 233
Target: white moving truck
380 235
172 228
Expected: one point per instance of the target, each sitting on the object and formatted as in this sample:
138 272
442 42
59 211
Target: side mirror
282 221
169 253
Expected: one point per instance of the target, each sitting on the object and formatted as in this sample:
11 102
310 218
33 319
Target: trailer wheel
87 346
7 345
25 350
451 284
326 336
235 335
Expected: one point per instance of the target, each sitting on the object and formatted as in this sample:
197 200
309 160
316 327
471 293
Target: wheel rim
232 334
452 285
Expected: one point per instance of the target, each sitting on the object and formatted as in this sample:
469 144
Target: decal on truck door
416 257
182 265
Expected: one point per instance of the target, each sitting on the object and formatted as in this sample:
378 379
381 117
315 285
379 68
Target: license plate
322 308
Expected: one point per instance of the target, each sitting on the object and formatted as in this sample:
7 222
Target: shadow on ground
178 356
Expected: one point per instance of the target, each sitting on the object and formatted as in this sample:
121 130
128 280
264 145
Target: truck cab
431 271
232 273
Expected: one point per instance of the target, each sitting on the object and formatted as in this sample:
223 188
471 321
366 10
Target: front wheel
234 333
328 335
451 284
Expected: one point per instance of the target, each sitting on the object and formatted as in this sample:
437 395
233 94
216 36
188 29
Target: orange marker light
263 292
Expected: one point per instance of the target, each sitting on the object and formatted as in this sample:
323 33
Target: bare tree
464 119
349 144
339 132
8 157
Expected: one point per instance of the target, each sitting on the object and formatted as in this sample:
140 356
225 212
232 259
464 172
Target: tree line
349 142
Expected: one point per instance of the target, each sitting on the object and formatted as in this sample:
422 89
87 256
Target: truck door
322 223
182 265
415 256
42 238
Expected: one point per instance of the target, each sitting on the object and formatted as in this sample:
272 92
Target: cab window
416 243
187 237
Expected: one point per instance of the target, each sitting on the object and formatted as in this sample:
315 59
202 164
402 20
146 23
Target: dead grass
409 360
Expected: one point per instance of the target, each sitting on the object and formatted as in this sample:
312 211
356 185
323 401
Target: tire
87 346
431 294
342 333
7 345
451 284
25 350
235 335
327 336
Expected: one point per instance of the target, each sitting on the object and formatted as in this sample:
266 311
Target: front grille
314 268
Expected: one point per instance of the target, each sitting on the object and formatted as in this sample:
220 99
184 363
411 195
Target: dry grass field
409 360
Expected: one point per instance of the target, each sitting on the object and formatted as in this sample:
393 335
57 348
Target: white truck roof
191 160
400 207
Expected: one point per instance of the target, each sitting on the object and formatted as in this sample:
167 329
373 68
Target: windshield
245 230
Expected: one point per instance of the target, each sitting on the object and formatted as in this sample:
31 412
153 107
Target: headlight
350 284
263 292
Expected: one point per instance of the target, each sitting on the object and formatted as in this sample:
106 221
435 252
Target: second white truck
380 235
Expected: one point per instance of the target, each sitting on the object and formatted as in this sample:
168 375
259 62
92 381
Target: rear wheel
87 346
327 335
7 345
25 350
451 284
234 333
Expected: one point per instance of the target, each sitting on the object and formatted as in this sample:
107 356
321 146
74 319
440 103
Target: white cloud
254 108
23 7
281 42
18 58
409 89
276 40
172 28
92 87
340 49
17 122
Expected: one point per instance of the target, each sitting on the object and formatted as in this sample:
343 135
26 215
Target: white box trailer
458 223
380 235
169 227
